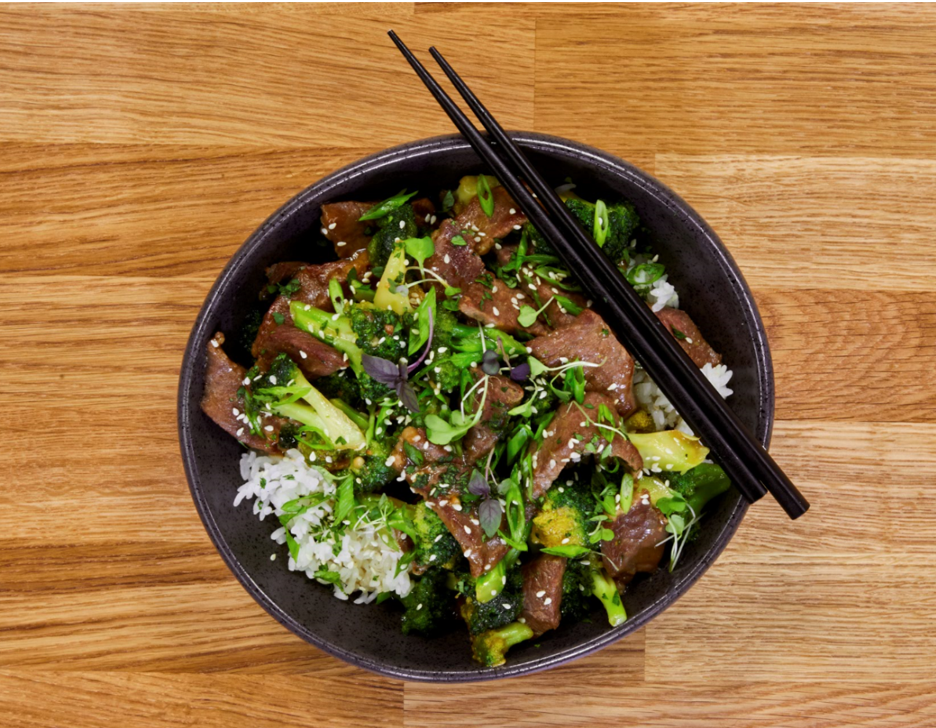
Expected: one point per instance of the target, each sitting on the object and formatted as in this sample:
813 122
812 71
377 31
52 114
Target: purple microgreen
383 370
420 360
490 514
520 373
408 397
477 485
490 362
393 376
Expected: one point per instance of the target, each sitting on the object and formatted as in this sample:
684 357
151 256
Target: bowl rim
556 146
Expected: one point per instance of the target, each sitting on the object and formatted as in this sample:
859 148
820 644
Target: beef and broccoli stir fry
447 378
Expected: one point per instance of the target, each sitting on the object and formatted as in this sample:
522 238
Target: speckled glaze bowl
711 289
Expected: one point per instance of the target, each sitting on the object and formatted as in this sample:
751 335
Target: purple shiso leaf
408 397
490 362
490 514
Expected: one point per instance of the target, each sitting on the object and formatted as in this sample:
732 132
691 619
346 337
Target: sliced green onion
602 223
387 206
485 196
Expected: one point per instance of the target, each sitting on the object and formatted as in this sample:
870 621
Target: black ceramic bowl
711 289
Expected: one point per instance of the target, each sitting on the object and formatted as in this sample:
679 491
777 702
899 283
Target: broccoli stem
333 331
489 648
606 590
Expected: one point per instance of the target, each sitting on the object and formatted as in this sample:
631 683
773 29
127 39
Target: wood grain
139 147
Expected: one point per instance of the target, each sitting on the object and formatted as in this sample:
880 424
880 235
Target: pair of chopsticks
746 462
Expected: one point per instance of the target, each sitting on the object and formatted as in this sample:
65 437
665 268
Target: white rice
360 552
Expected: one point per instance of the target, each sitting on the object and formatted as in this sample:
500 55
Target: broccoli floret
283 390
489 648
389 231
340 385
376 329
370 470
435 546
699 485
563 517
444 372
576 591
583 212
338 332
500 610
429 605
623 222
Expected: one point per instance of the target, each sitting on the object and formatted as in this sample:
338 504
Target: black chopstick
744 460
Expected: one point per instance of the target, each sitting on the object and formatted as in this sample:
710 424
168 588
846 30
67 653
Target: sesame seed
467 530
513 211
402 224
328 458
565 541
340 244
540 594
547 601
268 428
468 554
432 558
303 355
333 226
240 432
446 259
496 312
418 607
456 506
516 227
235 411
214 343
324 231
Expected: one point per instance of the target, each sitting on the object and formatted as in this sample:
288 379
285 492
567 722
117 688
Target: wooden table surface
140 146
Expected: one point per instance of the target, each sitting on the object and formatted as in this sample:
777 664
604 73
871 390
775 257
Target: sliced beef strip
478 442
314 357
561 445
480 230
693 344
340 224
636 546
497 304
503 394
542 592
220 401
416 438
284 270
590 339
457 264
313 289
462 522
544 289
425 212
